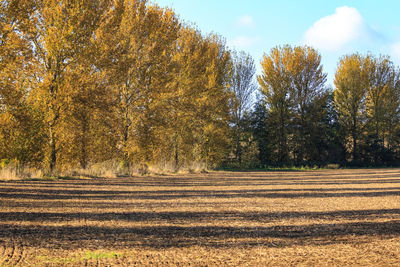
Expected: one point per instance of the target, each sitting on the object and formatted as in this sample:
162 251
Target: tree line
84 82
299 120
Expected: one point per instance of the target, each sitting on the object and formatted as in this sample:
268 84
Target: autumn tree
392 115
20 122
125 81
275 85
351 82
293 84
382 102
213 102
195 108
88 136
307 82
137 44
58 33
187 90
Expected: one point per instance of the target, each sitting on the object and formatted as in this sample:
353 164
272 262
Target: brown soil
334 217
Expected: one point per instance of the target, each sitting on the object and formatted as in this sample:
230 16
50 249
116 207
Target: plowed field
333 217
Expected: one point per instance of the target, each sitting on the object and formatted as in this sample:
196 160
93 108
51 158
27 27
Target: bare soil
310 218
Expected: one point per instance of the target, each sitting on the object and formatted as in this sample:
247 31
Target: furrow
19 255
10 254
3 251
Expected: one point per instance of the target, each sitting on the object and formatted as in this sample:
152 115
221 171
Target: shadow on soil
88 237
62 194
193 217
116 193
228 179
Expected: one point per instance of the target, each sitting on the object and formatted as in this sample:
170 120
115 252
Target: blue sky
334 27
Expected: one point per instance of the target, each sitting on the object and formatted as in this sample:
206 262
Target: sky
334 27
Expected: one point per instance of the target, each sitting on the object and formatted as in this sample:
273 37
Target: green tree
260 131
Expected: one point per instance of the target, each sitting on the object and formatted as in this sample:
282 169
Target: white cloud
244 41
245 21
395 51
332 32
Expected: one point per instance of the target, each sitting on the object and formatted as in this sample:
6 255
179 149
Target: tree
275 85
293 85
213 104
392 115
88 136
382 99
259 128
308 86
137 44
242 87
195 111
58 34
20 121
351 82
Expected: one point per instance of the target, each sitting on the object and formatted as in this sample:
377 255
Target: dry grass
333 217
12 173
114 169
170 168
8 174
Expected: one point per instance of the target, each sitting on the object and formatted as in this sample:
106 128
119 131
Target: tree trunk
176 155
238 145
53 151
302 141
84 156
376 142
354 136
282 145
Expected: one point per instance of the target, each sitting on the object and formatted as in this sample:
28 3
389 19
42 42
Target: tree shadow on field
230 179
94 230
89 237
196 217
93 194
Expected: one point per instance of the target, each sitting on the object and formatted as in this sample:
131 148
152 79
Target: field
329 217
